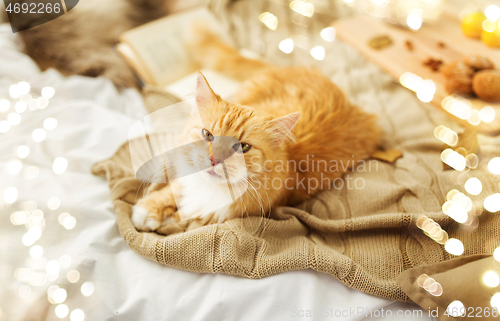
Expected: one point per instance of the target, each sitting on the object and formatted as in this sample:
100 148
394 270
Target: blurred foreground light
496 254
494 165
69 223
454 247
411 81
20 107
4 105
318 53
487 114
39 135
302 7
87 288
4 126
31 172
53 203
14 119
473 186
60 164
48 92
492 12
495 301
23 87
426 91
453 159
42 102
15 91
32 236
414 21
23 151
456 309
50 123
61 311
489 25
10 195
59 295
14 167
446 135
286 45
328 34
73 276
77 315
36 251
19 217
65 261
492 203
24 291
269 20
491 279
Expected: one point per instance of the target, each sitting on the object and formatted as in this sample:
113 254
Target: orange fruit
491 35
472 24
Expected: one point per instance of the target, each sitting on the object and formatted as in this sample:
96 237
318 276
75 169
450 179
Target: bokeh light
48 92
454 247
286 45
36 251
456 309
10 195
492 203
4 126
50 123
414 21
328 34
494 165
61 311
4 105
60 165
318 53
87 288
73 276
53 203
491 279
473 186
487 114
14 167
39 135
23 151
77 315
269 20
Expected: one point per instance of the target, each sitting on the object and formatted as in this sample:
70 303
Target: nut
486 85
478 62
457 69
459 85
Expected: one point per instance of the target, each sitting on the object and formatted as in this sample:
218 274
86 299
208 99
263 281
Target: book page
159 45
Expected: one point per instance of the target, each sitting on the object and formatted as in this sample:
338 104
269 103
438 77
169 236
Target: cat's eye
242 148
208 135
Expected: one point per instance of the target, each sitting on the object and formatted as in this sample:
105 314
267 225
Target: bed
72 225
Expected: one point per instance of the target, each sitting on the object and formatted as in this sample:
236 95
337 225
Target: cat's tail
210 52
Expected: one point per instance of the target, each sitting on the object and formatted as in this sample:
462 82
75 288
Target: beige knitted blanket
365 237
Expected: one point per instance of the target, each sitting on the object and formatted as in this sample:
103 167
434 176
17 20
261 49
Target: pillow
458 289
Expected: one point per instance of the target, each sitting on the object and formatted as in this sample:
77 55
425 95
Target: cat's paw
144 220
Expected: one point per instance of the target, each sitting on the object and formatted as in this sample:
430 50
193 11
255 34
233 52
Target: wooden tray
397 59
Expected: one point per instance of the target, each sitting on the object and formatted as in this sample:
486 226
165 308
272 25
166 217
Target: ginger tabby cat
282 120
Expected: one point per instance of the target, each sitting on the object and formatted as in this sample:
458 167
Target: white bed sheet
93 120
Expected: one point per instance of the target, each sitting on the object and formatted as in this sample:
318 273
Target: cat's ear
281 127
204 94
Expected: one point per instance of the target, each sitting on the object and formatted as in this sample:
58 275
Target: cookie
459 85
457 69
486 85
478 62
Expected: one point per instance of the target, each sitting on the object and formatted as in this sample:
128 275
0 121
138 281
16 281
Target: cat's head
230 142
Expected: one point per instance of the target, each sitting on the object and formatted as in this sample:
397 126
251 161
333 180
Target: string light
39 135
492 203
494 165
302 7
328 34
446 135
456 309
473 186
453 159
60 165
454 247
4 105
14 119
269 20
4 126
414 21
487 114
50 123
77 315
48 92
10 195
61 311
318 53
87 288
491 279
23 151
286 45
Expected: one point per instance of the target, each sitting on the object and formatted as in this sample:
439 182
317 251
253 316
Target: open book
157 54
